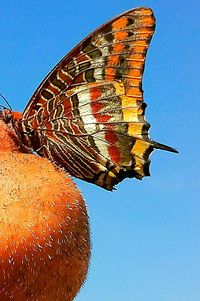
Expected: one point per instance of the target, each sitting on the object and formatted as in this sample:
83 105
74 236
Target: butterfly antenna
9 106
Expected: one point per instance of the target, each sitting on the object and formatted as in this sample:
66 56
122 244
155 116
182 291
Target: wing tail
163 147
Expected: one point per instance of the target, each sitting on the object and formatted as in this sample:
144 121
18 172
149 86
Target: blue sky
145 235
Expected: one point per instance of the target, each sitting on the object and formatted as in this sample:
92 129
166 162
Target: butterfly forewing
88 113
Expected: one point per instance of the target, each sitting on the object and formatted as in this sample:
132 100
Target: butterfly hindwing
90 143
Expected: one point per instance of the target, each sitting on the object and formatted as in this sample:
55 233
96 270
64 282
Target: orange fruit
44 237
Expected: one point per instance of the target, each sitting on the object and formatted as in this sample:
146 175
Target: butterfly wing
88 113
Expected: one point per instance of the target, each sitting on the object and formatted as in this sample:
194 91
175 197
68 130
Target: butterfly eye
7 116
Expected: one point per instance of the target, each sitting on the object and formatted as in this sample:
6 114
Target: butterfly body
87 116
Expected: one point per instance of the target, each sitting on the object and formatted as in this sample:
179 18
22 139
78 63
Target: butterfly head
11 117
23 131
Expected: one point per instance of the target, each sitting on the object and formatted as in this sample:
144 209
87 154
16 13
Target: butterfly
88 114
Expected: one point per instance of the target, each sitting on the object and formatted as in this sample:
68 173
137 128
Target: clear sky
145 235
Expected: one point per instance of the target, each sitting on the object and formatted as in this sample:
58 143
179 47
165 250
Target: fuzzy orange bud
44 237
